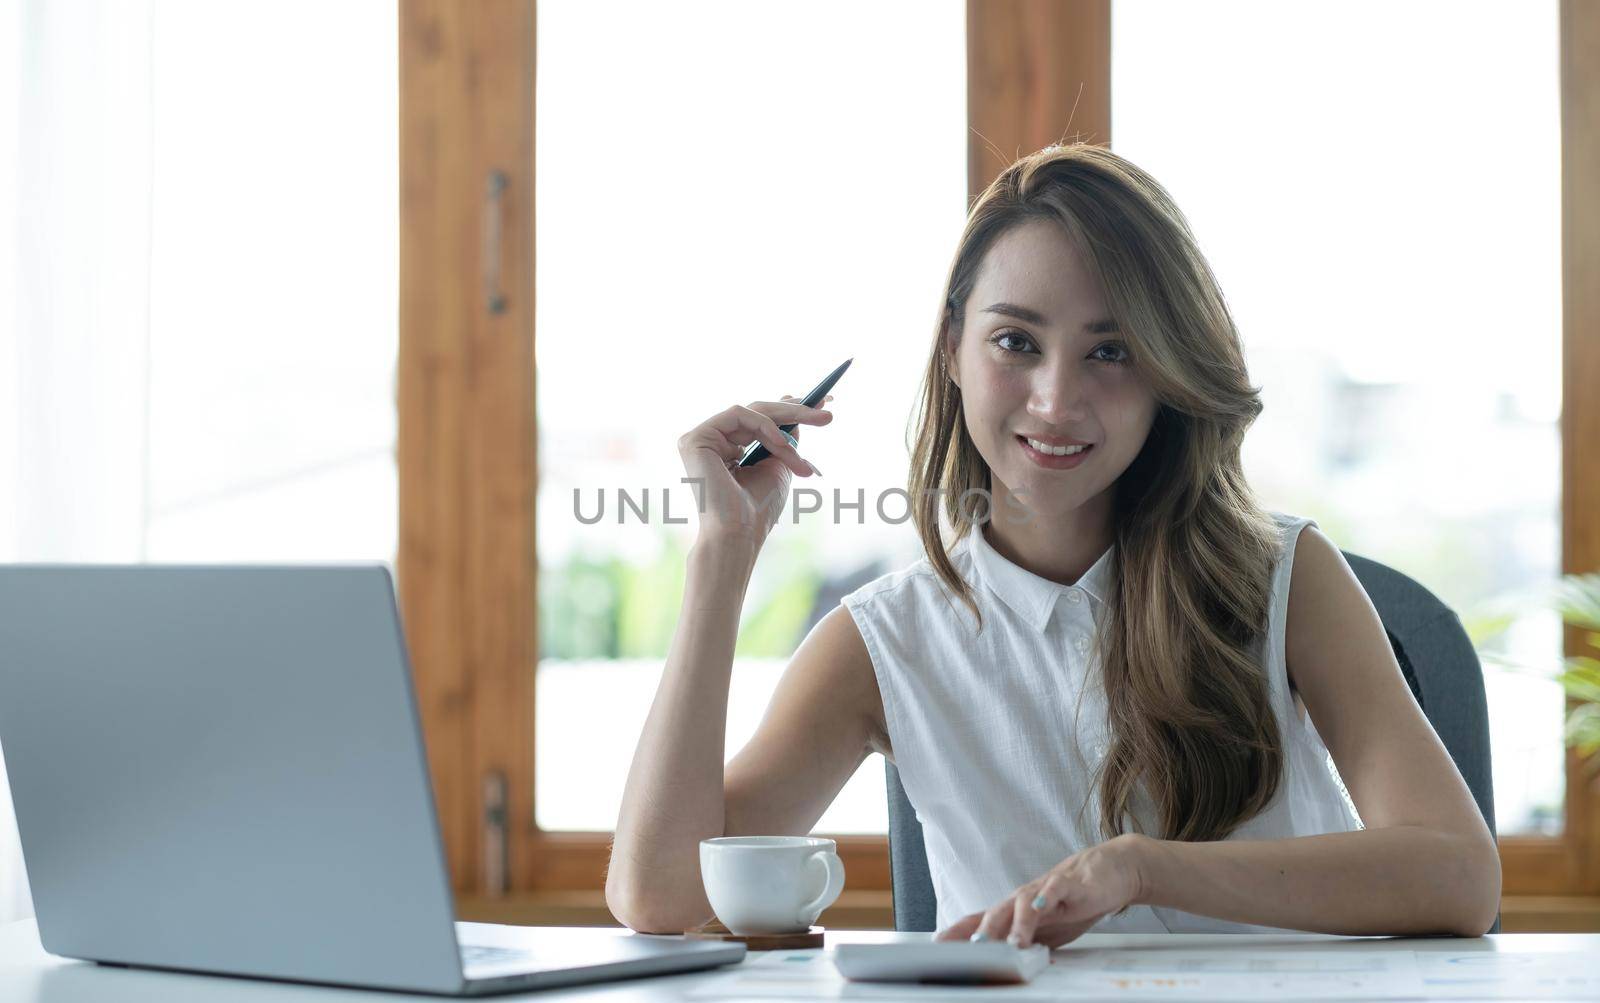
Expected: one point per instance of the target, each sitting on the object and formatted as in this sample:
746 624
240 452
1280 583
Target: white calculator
960 961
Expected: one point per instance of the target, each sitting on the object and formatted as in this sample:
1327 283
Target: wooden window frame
1038 73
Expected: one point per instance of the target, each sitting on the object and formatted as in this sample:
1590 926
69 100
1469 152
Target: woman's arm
673 797
817 729
1425 863
1396 880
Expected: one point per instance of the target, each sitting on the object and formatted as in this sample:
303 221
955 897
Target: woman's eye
1119 352
997 338
1016 343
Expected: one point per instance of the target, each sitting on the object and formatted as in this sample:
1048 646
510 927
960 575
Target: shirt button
1083 643
1073 595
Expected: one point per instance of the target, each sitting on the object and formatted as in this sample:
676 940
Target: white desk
29 975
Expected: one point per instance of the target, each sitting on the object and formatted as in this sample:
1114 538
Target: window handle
493 217
496 840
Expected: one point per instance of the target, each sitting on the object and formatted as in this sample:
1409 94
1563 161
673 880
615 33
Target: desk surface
29 975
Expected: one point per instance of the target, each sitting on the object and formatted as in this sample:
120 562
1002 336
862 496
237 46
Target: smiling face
1041 358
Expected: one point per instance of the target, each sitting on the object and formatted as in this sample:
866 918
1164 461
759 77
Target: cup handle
831 887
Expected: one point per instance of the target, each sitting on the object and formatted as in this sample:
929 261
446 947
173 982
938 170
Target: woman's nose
1057 395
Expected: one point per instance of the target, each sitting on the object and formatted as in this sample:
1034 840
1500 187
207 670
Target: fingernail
978 935
1038 902
1015 940
816 469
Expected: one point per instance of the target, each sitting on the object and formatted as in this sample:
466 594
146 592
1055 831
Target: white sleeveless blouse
996 734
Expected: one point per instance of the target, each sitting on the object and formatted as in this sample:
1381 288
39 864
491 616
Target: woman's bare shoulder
841 653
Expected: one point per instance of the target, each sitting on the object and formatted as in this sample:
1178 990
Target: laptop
220 769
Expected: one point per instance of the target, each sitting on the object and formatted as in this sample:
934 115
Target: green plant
650 598
578 600
601 606
1579 602
1576 598
781 596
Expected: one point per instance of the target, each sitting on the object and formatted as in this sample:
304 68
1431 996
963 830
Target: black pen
757 452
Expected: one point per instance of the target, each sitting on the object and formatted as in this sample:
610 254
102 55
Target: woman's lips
1052 462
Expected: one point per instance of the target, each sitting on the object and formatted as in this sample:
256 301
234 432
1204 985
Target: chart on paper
1085 974
1109 974
1503 975
1276 975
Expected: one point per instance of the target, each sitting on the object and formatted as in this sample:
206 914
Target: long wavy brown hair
1189 708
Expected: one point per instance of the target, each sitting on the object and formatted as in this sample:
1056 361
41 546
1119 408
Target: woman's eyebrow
1105 325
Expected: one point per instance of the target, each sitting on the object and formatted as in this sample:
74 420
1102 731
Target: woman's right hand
745 502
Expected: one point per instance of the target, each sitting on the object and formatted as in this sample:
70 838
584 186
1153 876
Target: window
712 230
1410 345
467 409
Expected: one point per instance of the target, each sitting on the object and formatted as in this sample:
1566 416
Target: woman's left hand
1059 905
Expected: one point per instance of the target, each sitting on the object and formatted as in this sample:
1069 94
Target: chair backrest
1439 665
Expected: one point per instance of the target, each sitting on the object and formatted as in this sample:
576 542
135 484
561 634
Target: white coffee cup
770 884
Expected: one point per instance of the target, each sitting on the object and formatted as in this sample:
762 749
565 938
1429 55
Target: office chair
1439 664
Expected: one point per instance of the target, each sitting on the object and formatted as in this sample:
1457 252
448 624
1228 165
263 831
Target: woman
1112 696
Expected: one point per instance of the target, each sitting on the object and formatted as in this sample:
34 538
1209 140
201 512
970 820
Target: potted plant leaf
1576 597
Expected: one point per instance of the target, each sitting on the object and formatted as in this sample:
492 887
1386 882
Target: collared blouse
997 734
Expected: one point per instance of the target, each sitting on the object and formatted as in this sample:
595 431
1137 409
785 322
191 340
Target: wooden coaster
714 930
